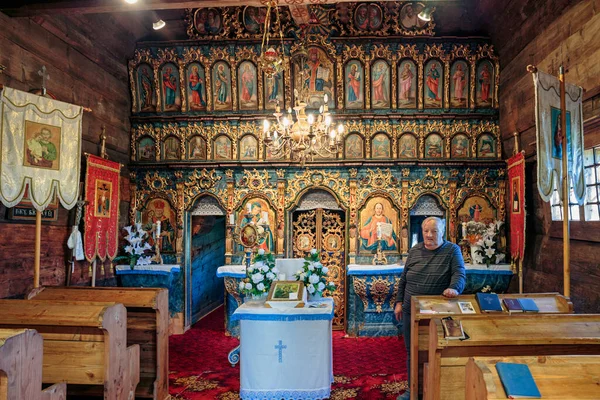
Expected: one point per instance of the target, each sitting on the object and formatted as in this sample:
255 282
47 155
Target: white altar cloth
157 269
285 354
287 266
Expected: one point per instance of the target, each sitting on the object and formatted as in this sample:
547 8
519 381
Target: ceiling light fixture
131 1
425 15
158 24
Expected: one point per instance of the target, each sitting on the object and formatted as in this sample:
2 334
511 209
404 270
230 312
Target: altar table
286 353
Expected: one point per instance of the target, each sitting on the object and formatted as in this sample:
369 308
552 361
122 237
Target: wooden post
519 260
565 186
94 273
37 251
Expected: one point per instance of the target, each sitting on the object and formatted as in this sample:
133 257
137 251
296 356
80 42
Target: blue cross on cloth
280 347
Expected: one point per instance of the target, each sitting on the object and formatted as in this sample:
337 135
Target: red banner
516 182
102 212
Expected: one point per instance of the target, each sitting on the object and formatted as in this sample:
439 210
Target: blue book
528 305
489 302
517 381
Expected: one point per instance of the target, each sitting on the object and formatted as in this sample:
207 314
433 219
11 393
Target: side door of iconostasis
324 230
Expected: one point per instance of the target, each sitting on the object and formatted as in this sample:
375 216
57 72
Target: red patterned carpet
364 368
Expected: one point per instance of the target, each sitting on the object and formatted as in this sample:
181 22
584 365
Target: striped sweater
430 272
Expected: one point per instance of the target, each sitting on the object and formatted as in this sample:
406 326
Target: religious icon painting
170 89
459 84
484 84
42 146
486 146
254 18
304 242
274 91
249 148
380 84
407 146
146 150
196 87
197 148
207 21
259 213
145 88
333 242
222 148
270 155
247 86
354 146
160 210
249 236
407 84
459 146
354 85
409 16
103 195
368 17
557 136
380 146
478 209
221 82
433 84
378 219
434 146
171 149
319 78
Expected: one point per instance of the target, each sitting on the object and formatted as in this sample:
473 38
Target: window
591 209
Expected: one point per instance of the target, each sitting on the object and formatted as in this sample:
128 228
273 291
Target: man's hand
398 311
450 293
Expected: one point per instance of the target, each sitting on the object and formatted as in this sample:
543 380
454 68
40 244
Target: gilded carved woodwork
255 183
434 183
200 182
360 288
378 180
379 288
232 288
330 180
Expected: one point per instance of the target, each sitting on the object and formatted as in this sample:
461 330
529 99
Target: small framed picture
286 291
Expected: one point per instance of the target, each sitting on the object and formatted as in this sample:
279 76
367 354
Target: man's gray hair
441 223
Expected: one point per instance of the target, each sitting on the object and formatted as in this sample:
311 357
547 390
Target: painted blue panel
207 254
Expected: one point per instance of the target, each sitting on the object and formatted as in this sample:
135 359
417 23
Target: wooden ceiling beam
30 8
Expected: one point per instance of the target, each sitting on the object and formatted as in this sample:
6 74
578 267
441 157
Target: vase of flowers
259 277
314 276
137 245
483 239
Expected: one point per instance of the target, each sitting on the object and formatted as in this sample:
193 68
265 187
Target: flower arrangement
314 275
136 237
260 275
487 251
473 231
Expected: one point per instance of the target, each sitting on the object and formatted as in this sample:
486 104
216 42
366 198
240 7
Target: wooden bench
560 334
147 326
21 367
557 377
421 307
84 344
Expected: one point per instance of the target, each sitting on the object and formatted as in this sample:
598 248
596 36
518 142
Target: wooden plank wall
86 58
546 33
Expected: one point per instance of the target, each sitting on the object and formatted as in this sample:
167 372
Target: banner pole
37 251
565 185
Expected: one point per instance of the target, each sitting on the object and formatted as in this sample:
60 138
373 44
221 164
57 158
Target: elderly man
433 267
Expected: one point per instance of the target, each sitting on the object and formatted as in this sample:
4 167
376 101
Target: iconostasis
420 117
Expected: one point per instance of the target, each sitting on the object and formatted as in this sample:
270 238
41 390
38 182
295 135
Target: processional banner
102 212
516 179
40 142
550 135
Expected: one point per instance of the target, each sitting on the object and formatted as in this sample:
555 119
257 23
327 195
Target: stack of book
490 302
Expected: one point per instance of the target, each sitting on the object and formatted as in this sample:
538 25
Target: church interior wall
544 34
86 63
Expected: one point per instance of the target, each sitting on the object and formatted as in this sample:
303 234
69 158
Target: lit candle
249 207
231 219
265 217
158 229
464 229
378 230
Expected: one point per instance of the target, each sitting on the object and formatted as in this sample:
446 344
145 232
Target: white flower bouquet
260 275
487 251
314 275
136 247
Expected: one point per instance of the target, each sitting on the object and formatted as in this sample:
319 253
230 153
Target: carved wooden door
324 230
